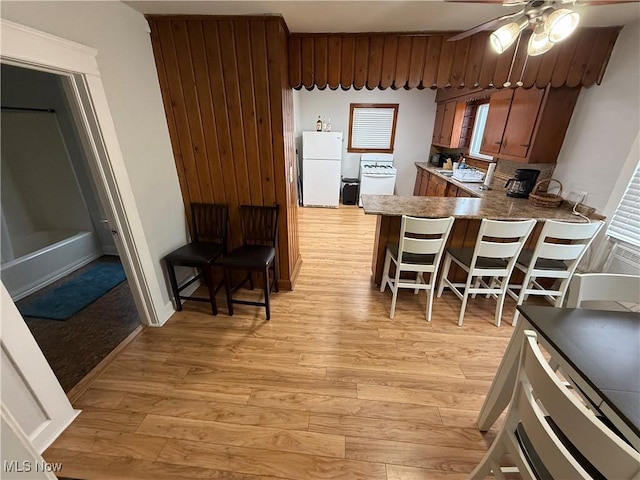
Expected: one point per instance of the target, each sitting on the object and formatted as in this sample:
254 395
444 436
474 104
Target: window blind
372 128
625 223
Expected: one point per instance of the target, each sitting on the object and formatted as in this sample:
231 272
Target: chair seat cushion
249 256
542 263
415 258
195 253
464 255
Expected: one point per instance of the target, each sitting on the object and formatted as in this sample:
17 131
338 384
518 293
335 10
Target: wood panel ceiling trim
428 60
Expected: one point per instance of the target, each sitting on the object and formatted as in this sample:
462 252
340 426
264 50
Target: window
478 132
625 223
372 127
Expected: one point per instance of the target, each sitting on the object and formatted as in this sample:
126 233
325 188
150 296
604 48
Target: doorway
54 224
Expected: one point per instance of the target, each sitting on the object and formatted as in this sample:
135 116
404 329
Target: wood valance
427 60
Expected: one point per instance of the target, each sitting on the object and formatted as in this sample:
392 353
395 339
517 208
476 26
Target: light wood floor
330 388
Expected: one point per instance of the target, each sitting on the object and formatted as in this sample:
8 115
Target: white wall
127 66
416 116
604 126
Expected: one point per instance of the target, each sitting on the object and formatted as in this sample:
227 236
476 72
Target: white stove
378 168
377 174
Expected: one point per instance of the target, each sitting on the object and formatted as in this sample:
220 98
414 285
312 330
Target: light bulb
561 23
504 37
539 42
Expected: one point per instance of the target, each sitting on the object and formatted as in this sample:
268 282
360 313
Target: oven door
377 184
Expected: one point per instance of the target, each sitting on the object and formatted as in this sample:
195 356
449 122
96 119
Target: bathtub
45 256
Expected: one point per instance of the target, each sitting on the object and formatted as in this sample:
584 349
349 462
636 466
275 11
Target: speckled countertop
493 204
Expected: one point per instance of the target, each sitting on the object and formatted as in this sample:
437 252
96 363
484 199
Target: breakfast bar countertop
492 204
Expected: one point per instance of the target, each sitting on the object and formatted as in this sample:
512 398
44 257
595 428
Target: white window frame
478 131
625 222
372 127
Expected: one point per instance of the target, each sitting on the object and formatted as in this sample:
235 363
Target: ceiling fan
550 20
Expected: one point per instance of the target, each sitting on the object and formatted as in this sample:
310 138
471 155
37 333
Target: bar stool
560 247
497 247
422 242
256 254
209 223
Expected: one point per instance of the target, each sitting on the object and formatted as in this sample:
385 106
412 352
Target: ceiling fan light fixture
539 41
561 23
504 37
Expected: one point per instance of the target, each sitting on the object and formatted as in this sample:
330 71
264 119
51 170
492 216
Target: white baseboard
168 309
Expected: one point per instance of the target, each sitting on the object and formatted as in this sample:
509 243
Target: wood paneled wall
381 60
229 109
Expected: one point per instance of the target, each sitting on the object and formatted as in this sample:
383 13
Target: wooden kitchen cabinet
528 125
448 124
437 127
430 185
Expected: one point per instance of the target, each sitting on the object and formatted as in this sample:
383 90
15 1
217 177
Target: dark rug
68 299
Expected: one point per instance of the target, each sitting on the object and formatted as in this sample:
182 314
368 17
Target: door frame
29 48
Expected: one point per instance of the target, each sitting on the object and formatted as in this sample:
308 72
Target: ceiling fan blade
593 3
484 26
507 3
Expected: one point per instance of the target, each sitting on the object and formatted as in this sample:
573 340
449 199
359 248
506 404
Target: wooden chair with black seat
560 247
497 247
604 291
256 254
549 434
419 251
209 223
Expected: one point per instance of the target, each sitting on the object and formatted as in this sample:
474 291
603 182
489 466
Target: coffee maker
522 183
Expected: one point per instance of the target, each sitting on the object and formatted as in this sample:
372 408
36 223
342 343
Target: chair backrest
562 431
573 239
210 222
603 286
259 224
424 236
491 240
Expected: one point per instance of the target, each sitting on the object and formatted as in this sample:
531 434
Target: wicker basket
542 198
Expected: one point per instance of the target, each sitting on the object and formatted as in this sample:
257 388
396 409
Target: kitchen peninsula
468 212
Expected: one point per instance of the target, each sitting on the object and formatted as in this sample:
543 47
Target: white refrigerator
321 168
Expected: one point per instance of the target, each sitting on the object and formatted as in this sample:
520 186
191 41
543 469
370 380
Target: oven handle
379 175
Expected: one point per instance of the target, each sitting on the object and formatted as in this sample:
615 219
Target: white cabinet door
30 390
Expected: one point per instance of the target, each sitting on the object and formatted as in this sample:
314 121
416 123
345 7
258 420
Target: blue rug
69 298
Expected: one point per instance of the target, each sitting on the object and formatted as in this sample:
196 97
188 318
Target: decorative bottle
324 125
328 124
319 124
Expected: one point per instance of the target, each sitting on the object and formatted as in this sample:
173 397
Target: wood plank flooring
330 388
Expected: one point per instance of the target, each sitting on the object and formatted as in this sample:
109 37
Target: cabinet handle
526 145
498 143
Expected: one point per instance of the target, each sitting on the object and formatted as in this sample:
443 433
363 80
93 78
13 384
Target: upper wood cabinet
528 125
448 124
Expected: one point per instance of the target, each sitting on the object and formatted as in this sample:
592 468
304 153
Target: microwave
437 159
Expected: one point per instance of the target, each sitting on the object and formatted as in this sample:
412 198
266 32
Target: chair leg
266 292
385 271
500 305
276 287
227 289
206 271
174 286
476 285
394 289
525 285
429 302
249 274
419 280
465 297
445 273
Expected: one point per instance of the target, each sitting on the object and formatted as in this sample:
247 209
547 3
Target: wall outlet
575 196
582 196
